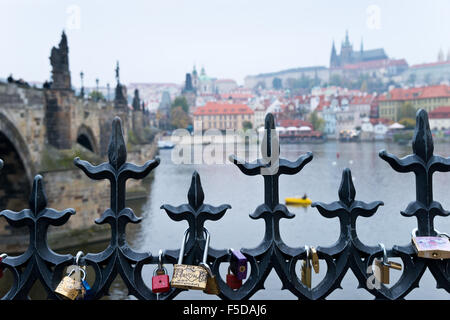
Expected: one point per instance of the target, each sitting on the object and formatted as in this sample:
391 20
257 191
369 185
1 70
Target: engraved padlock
160 279
189 276
383 266
306 269
435 247
70 286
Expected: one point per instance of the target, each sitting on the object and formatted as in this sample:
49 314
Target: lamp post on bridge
82 85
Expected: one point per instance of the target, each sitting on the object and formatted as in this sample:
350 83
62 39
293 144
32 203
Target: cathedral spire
333 57
347 41
441 55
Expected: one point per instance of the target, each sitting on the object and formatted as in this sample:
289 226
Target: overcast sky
159 41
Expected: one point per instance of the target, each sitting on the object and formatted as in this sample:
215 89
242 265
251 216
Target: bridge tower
59 98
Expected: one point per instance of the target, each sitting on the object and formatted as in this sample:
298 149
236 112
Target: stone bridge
43 129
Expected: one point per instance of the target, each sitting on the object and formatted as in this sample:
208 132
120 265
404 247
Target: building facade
439 118
222 116
428 98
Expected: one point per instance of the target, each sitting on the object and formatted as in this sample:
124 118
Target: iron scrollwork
40 263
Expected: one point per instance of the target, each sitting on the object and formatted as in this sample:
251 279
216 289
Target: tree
179 118
406 111
409 123
317 122
96 95
277 83
180 102
247 125
335 80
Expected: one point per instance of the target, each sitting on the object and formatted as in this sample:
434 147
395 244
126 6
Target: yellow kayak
302 201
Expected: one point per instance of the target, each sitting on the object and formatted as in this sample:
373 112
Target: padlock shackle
160 255
82 270
307 253
78 256
162 268
183 244
385 257
205 252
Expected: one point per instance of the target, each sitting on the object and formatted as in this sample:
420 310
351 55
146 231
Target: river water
320 179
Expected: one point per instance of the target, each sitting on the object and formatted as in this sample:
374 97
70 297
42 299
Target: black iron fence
39 262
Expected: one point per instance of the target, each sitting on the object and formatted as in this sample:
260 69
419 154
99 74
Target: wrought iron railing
39 262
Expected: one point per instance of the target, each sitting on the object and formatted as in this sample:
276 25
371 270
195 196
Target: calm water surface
320 179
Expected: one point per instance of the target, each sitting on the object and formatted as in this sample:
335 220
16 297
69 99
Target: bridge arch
16 177
86 138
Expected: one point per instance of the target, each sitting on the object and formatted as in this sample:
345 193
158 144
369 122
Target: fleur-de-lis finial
266 145
195 193
195 212
423 163
347 190
117 151
38 198
422 144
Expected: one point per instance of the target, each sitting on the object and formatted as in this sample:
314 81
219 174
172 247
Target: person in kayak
304 196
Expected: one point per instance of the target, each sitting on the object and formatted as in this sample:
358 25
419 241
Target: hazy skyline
159 41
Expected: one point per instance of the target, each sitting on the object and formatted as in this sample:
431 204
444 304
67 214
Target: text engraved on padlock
189 277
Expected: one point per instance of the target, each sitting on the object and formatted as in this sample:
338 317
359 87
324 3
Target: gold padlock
306 269
437 247
188 276
70 286
383 266
212 287
315 259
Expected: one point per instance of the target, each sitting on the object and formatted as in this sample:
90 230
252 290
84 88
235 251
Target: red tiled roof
440 113
437 91
215 108
367 99
432 64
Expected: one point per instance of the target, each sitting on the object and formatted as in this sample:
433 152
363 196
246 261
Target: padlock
160 279
70 287
212 287
306 269
233 281
238 264
87 289
437 247
188 276
314 259
383 266
160 283
2 257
